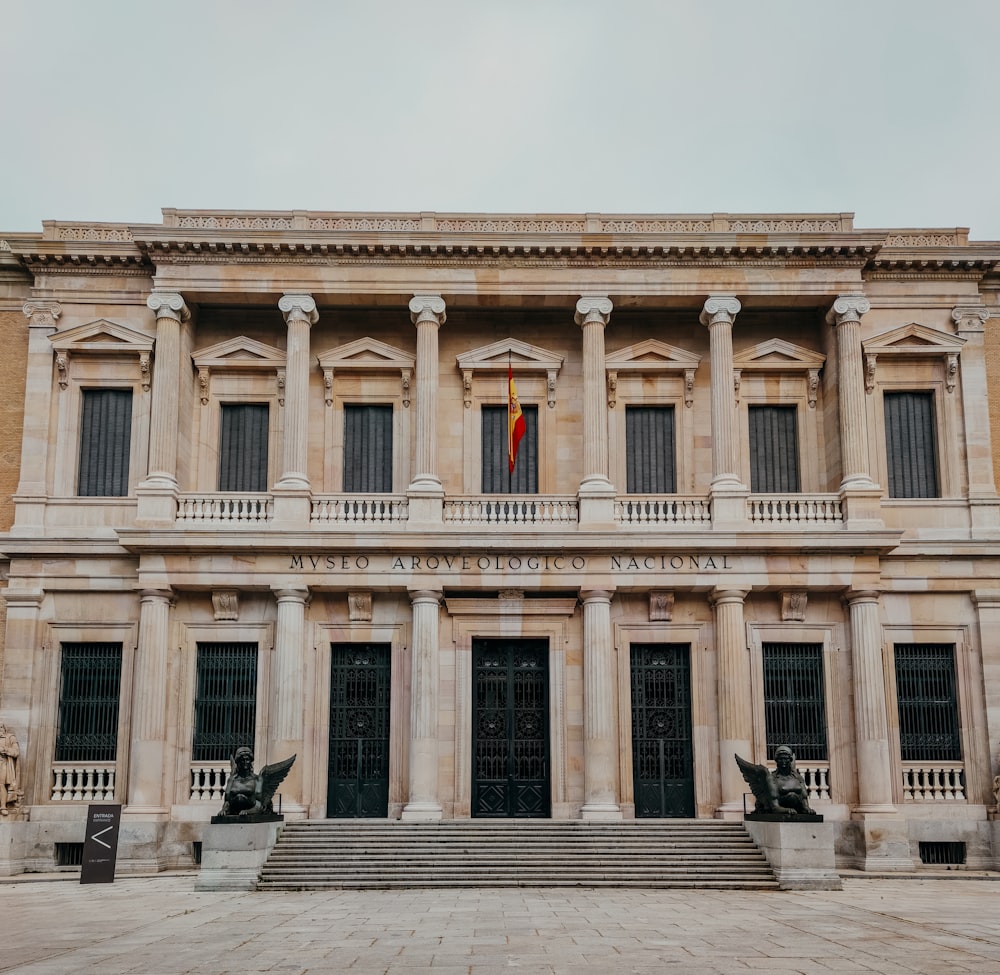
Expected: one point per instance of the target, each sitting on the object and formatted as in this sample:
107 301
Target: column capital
157 596
970 318
426 596
42 313
720 308
168 304
291 594
852 596
298 308
597 595
719 596
848 308
427 308
591 309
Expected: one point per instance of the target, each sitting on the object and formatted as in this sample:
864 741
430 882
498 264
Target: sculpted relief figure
247 793
10 764
996 784
782 791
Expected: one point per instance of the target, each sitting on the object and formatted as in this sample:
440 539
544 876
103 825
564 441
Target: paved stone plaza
161 926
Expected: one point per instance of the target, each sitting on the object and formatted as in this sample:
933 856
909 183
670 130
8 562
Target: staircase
336 854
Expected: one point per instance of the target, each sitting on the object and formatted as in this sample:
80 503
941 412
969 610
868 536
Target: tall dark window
649 450
226 703
774 449
105 443
911 445
243 447
89 690
497 478
794 708
928 704
367 449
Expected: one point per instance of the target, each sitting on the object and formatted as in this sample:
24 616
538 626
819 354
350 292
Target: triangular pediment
651 356
365 354
239 353
914 339
520 354
101 337
779 356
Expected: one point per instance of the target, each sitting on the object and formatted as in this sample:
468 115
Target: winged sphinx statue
782 791
247 793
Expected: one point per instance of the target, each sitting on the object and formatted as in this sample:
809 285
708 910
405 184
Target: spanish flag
515 419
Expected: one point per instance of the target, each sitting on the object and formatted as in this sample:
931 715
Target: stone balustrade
208 781
942 782
512 510
348 510
225 508
75 782
636 509
795 510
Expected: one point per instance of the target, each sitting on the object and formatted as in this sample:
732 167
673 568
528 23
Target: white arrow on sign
101 833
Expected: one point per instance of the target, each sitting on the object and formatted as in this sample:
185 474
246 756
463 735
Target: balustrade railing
943 782
817 780
795 510
208 781
659 510
376 510
511 510
75 782
230 509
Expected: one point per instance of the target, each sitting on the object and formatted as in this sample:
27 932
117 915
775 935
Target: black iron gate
662 760
510 728
358 782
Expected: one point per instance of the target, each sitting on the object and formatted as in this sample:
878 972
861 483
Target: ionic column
845 316
718 316
735 723
871 727
147 755
600 738
171 312
423 803
592 315
288 691
300 315
427 312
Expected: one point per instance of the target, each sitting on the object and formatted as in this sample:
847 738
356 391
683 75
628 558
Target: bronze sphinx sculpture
252 794
782 792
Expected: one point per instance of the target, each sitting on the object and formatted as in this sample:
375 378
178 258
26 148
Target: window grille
497 478
226 703
774 449
89 692
243 434
650 450
105 443
911 445
928 704
69 854
942 853
794 705
367 449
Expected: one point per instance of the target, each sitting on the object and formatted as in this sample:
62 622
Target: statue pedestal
233 851
13 846
799 849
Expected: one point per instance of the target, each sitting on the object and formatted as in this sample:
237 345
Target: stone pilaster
987 603
287 706
300 315
596 492
600 736
735 722
427 312
22 642
423 804
147 754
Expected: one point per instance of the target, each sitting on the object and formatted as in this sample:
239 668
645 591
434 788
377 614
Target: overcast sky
112 109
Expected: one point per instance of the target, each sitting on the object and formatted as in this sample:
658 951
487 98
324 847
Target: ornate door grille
225 707
360 682
794 710
88 702
662 756
928 703
510 728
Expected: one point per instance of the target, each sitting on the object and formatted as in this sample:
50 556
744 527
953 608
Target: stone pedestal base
885 844
232 854
800 853
13 847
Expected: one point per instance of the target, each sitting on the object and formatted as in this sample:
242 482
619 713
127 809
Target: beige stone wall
993 373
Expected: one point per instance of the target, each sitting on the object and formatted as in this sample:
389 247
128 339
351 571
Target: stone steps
338 854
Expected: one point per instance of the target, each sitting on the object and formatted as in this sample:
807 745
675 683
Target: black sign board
100 849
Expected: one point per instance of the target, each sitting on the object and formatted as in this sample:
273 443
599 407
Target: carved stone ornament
689 388
793 606
42 314
848 308
661 605
226 604
359 606
508 595
11 793
62 368
593 309
298 308
203 384
950 371
813 387
328 386
406 377
427 308
870 362
168 304
612 389
281 387
720 308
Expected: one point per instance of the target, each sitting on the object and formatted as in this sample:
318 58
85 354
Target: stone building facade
265 497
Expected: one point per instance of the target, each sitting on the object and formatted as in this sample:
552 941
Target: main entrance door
662 765
510 728
358 782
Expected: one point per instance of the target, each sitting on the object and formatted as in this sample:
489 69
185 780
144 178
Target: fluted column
171 312
592 315
600 736
718 316
871 728
427 312
287 706
845 316
735 722
147 755
300 315
423 803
